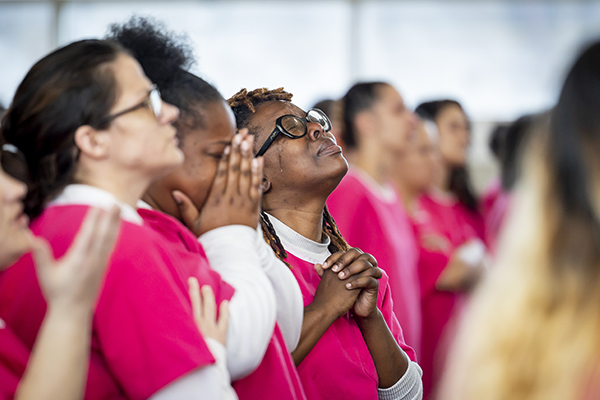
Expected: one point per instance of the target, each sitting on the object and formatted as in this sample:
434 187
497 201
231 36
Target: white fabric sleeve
231 251
290 305
409 387
207 383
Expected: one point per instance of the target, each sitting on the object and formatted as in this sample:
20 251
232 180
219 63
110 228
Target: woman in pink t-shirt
206 128
94 132
452 181
352 355
444 275
377 126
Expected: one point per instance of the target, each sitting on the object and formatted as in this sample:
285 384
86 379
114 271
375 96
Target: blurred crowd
160 241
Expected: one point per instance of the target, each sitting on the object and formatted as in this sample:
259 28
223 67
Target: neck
374 160
442 181
409 196
306 220
127 189
151 202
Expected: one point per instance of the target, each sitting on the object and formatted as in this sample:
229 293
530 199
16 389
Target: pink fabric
276 377
496 203
340 365
382 229
13 359
452 224
143 333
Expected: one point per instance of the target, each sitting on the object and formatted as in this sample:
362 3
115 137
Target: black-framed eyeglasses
152 101
295 127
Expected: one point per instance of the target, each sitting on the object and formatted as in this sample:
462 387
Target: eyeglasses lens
318 116
156 103
293 125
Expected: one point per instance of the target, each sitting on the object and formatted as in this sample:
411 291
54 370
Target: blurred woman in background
532 328
376 126
453 186
444 275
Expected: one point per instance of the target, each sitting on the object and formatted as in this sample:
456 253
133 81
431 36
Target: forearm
315 323
57 368
390 361
231 252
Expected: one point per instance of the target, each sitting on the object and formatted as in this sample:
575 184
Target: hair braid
272 239
244 103
338 243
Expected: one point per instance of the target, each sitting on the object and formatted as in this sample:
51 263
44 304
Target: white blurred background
500 59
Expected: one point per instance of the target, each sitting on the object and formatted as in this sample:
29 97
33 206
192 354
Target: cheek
199 179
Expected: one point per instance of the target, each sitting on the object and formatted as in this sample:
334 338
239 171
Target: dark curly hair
166 59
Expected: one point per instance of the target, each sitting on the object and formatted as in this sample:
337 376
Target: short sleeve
143 322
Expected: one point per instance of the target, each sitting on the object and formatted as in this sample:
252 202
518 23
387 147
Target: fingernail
237 139
349 285
342 274
254 164
245 146
335 268
177 198
325 264
227 150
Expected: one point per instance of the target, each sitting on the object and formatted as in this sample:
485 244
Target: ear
366 124
91 142
266 185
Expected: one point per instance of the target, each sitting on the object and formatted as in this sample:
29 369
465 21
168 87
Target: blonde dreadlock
244 104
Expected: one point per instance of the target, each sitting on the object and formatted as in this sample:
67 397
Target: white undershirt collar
92 196
384 192
300 246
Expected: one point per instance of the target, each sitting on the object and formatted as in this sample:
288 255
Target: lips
328 147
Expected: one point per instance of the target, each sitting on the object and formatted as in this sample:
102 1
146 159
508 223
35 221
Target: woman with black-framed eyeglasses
351 344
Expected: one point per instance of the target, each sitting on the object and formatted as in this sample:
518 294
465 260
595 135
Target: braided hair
244 104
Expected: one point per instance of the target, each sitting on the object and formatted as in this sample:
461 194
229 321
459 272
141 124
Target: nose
169 114
314 130
12 189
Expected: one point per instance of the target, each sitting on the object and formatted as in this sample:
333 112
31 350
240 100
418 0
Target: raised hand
204 308
236 192
73 281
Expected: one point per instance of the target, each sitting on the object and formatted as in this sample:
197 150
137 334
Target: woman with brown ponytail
94 132
351 344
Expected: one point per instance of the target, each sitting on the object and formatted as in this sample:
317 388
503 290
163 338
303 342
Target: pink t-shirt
276 378
496 203
451 225
143 333
340 365
13 359
379 226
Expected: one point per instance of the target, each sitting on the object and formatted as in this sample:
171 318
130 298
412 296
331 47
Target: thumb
187 210
319 269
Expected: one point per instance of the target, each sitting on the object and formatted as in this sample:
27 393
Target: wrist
372 319
321 312
70 312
